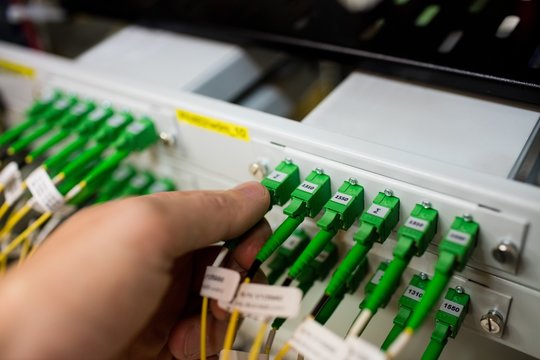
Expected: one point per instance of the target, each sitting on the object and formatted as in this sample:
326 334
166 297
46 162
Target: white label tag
135 128
308 187
413 292
11 178
416 223
322 257
458 237
378 210
360 349
266 301
44 192
341 198
240 355
452 308
79 109
377 277
292 242
277 176
116 121
315 342
96 114
220 283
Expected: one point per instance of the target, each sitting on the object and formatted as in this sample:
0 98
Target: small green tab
282 182
137 136
421 227
343 208
310 196
460 240
113 127
453 310
383 214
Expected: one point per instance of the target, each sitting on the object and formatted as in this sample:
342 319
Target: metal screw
423 276
467 217
426 204
258 170
353 181
167 139
460 289
492 322
505 252
388 192
288 161
319 171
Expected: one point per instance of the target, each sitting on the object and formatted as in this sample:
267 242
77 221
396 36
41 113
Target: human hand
122 279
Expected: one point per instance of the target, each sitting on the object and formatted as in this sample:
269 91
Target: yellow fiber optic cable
14 219
22 236
283 351
231 329
256 347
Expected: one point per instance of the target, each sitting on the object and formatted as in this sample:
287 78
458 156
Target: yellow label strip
215 125
17 68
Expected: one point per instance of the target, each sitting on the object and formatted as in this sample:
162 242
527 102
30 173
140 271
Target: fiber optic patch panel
209 144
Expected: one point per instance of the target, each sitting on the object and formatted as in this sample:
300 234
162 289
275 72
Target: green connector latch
420 227
93 121
75 114
448 320
117 182
138 184
287 253
382 216
343 208
282 182
407 304
58 108
310 196
112 128
43 103
138 136
374 281
161 185
460 241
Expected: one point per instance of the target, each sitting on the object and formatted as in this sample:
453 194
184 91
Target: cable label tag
378 210
220 283
292 242
263 301
452 308
458 237
97 114
11 178
413 292
360 349
416 223
377 277
277 176
341 198
44 192
221 127
315 342
308 187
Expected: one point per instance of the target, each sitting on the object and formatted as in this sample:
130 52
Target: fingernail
251 189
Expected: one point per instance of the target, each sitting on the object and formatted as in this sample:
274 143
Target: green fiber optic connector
374 280
138 136
116 183
328 309
413 238
460 241
43 103
339 214
138 184
310 196
318 269
306 200
448 320
282 181
161 185
112 128
87 128
454 252
287 254
39 106
376 224
407 304
66 123
46 124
